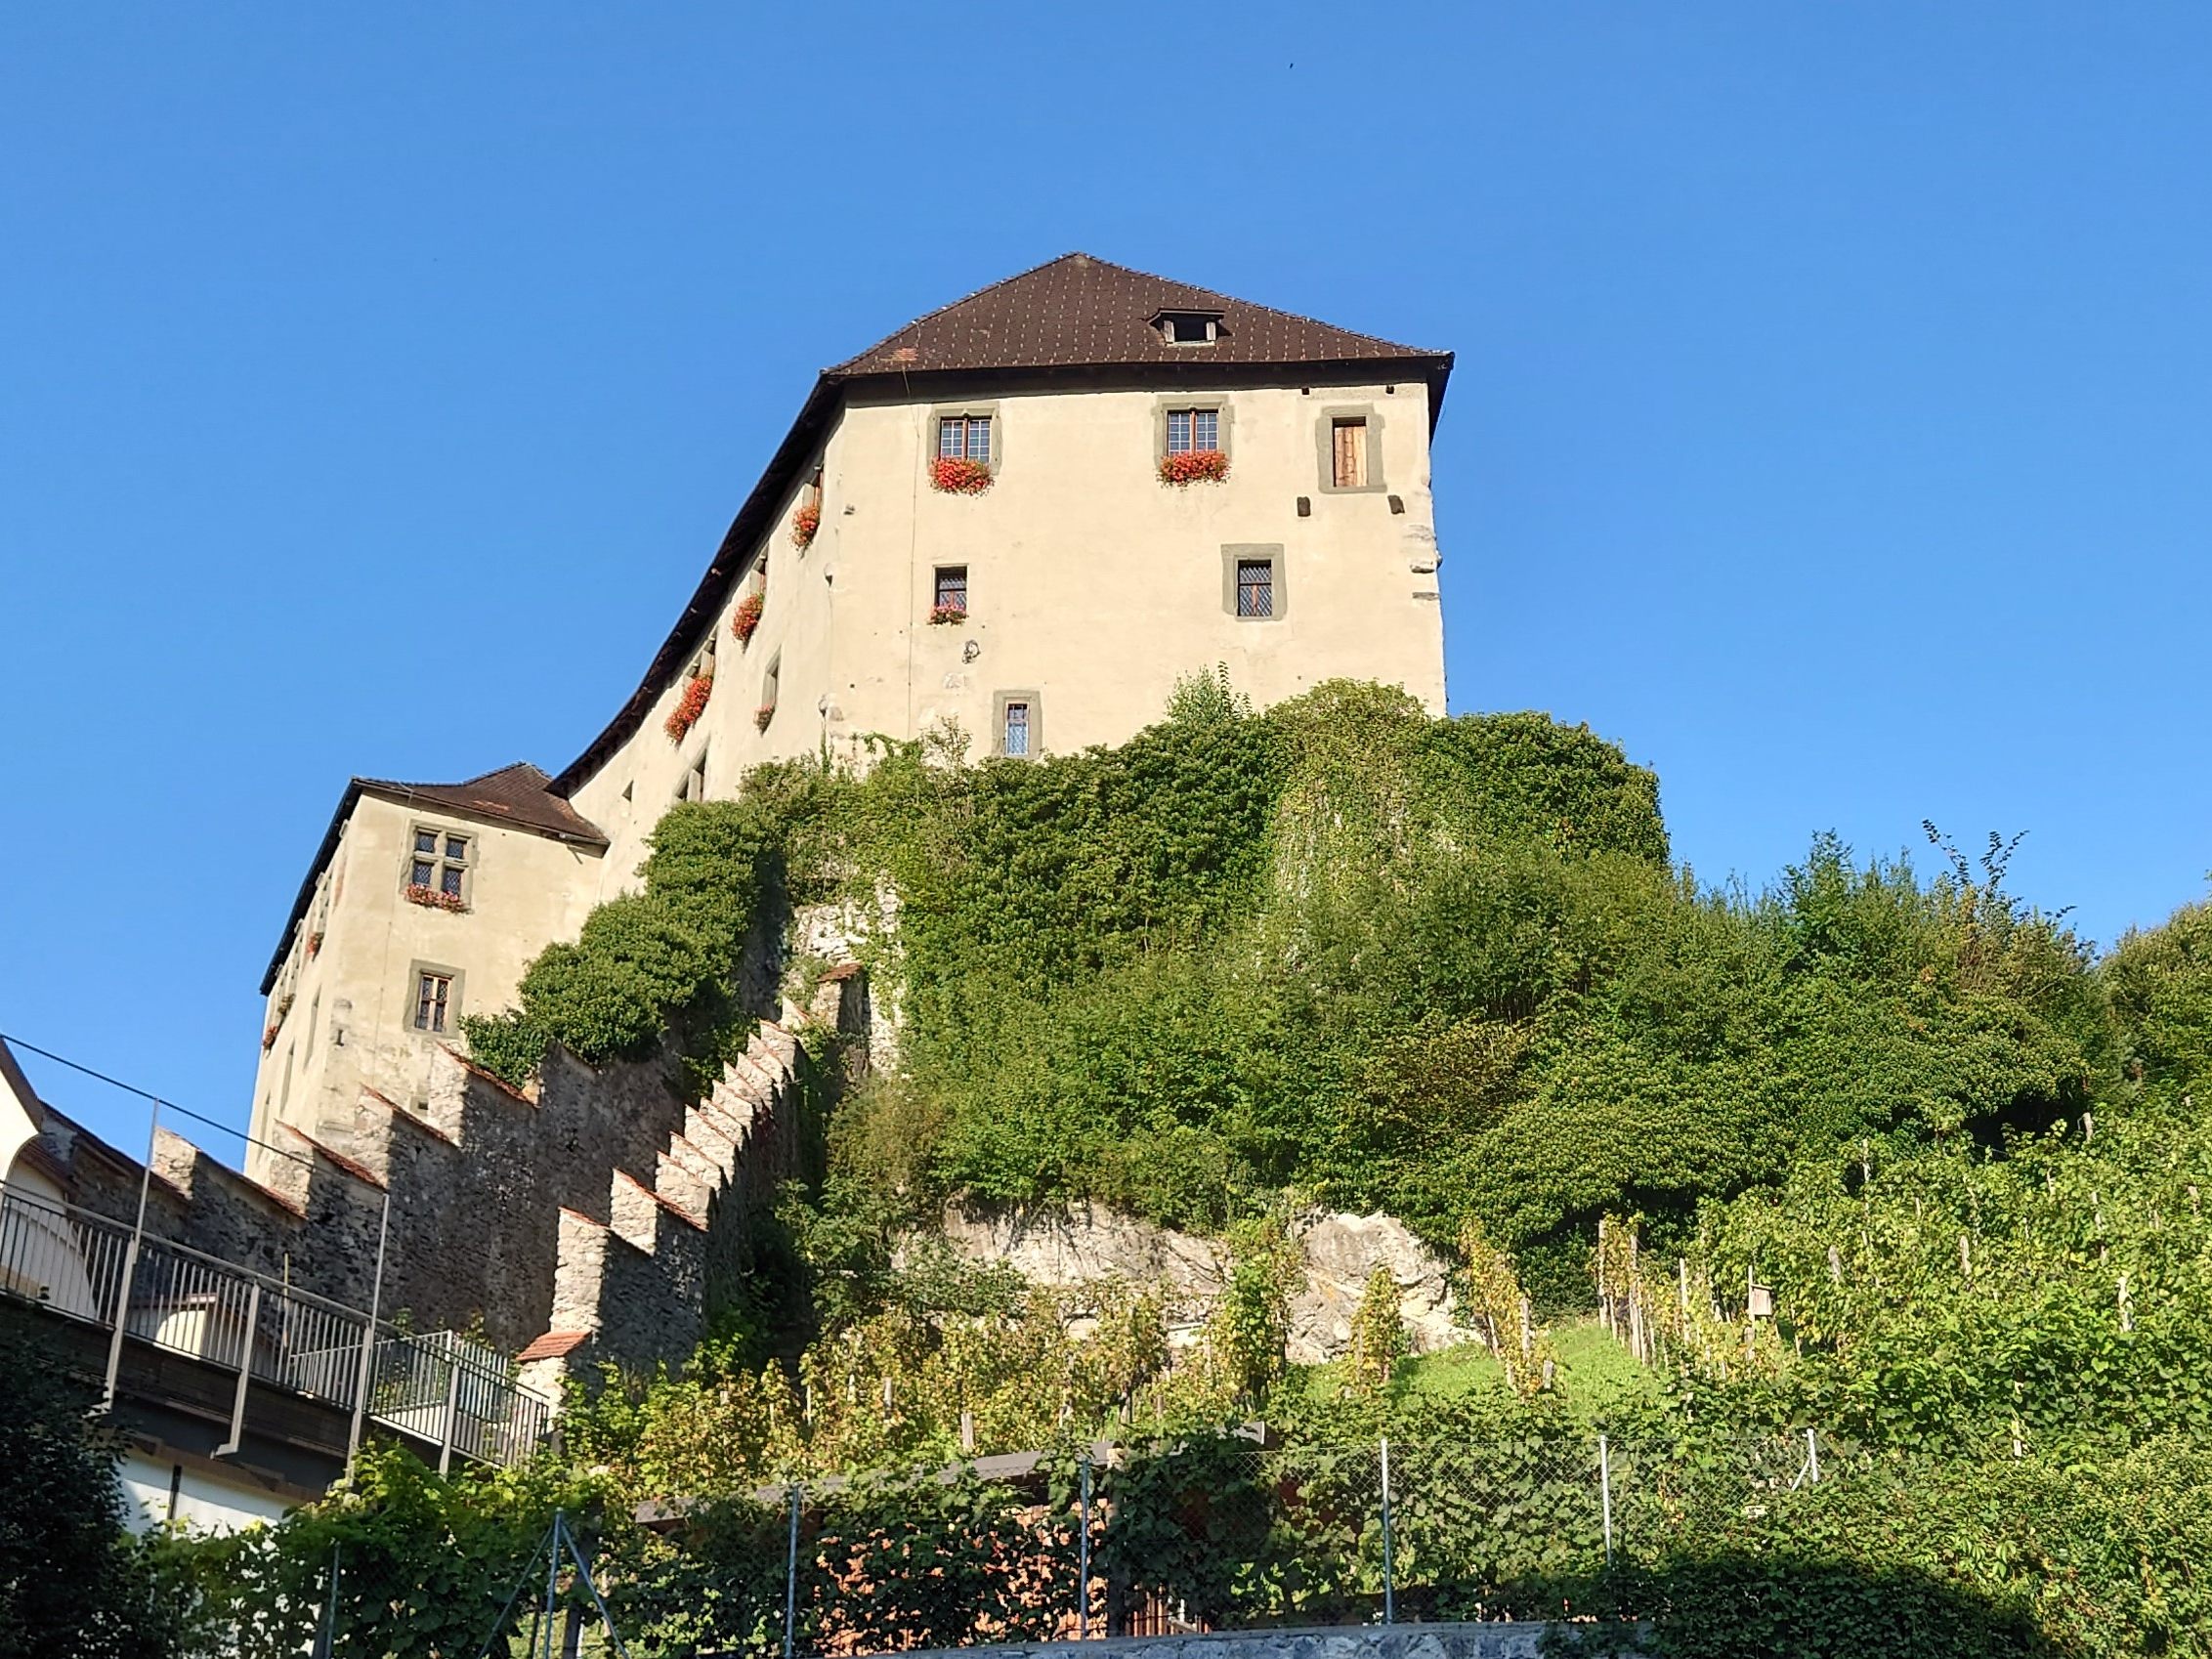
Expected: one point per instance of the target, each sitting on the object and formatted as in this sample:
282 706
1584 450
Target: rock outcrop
1089 1243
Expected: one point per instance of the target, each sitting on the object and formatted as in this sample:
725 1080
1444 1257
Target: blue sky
1830 425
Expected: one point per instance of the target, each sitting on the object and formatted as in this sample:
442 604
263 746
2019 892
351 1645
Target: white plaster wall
350 1020
1091 586
203 1502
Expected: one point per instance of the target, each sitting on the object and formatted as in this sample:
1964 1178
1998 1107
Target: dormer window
1188 327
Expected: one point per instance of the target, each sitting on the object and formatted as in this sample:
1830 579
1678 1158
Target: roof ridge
951 305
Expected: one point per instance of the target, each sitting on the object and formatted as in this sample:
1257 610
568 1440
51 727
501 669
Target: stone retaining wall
1502 1640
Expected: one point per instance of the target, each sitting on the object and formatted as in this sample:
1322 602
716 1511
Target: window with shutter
1348 438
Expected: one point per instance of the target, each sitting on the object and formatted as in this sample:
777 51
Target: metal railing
437 1386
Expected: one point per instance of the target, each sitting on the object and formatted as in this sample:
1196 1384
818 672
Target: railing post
1389 1566
1605 1492
452 1402
368 1338
791 1576
1082 1556
130 1265
245 1372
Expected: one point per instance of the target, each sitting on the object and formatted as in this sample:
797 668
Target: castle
1025 517
1029 513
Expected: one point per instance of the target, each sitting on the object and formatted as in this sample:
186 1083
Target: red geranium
804 522
433 898
746 617
958 476
690 707
1191 466
948 612
763 715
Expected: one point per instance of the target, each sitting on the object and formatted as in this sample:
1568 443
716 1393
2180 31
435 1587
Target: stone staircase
636 1284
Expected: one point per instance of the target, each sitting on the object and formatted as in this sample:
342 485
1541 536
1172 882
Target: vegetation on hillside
1337 953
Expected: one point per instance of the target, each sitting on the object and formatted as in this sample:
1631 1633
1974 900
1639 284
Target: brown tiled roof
553 1345
1075 315
1080 311
513 794
519 794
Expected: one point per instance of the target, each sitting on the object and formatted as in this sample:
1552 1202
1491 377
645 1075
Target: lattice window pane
1017 729
1256 587
979 438
455 847
951 586
952 436
1178 430
1206 429
423 874
426 841
451 882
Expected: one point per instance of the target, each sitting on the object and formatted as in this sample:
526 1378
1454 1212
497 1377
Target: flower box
746 617
958 476
1194 466
804 522
314 945
763 715
432 897
690 707
942 614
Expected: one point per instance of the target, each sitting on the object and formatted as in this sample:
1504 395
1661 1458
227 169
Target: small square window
950 588
1347 449
965 438
1189 327
439 863
434 1001
1256 587
1015 731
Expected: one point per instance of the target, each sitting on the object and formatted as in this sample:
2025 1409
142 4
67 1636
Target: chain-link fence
1210 1534
1201 1534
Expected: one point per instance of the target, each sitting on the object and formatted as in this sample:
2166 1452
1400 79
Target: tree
72 1579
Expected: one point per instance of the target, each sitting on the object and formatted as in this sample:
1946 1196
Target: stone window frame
942 413
1234 553
409 858
1324 449
453 977
691 785
1225 414
1035 702
772 681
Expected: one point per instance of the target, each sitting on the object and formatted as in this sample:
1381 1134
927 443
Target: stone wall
1502 1640
589 1218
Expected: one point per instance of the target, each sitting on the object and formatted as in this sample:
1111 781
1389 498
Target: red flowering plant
957 474
763 715
690 707
1194 466
268 1038
746 617
432 897
314 944
804 522
953 610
